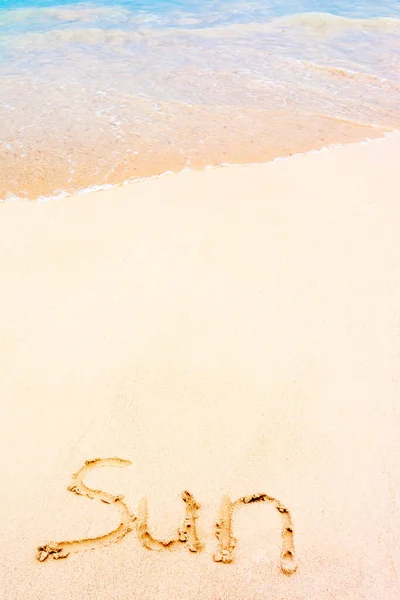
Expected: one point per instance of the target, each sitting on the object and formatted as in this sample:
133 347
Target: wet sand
230 338
53 158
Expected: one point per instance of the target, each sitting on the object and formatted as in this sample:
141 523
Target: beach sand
229 332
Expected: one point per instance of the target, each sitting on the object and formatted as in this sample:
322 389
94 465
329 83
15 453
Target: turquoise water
96 93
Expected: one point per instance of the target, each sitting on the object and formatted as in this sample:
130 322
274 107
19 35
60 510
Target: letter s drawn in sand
62 549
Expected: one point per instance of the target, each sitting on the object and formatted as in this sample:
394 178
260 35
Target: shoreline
232 337
200 167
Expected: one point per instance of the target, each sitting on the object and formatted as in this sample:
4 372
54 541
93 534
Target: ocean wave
331 24
89 36
220 18
323 25
115 36
68 13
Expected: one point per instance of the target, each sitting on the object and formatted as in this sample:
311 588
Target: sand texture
231 338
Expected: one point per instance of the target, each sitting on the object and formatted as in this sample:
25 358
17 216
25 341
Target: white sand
229 332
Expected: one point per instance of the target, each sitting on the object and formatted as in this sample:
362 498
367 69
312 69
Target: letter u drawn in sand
187 534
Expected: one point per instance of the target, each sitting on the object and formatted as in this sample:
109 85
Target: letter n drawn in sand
187 534
63 549
227 543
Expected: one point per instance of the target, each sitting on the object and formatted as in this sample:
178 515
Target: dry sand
229 332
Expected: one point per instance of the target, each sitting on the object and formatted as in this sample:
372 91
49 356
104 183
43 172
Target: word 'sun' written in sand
187 533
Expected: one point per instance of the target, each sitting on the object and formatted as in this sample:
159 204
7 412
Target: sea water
97 93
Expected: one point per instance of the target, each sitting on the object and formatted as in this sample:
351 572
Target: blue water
247 10
93 93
